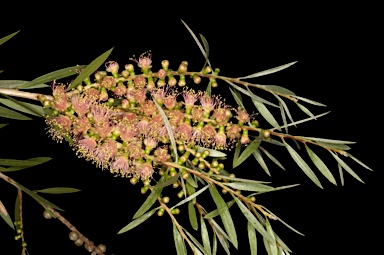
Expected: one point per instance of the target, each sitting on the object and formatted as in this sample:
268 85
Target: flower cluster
117 121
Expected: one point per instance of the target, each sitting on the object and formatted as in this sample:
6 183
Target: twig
23 94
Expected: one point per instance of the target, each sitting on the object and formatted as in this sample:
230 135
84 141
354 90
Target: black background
337 49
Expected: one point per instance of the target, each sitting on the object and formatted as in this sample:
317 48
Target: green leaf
218 176
305 110
137 221
197 243
252 238
272 245
286 224
58 190
303 165
212 153
249 186
223 242
225 215
341 174
215 212
236 95
267 115
308 100
192 216
197 42
7 113
52 76
278 89
206 47
6 38
237 152
28 108
302 121
323 140
252 146
250 94
189 198
91 68
169 129
179 242
346 167
284 118
168 182
352 157
151 199
24 163
278 188
274 160
268 71
281 101
274 142
335 146
37 197
321 166
205 235
13 84
214 244
261 161
4 214
252 219
17 208
209 89
3 125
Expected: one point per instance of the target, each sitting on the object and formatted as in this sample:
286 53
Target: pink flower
105 152
108 82
184 132
93 94
220 140
176 117
149 108
140 95
103 129
81 126
159 95
80 104
189 98
208 103
121 165
233 132
161 154
150 143
161 74
144 61
112 67
135 150
140 81
220 114
85 148
120 90
170 101
101 114
146 171
197 114
208 134
63 122
242 116
60 101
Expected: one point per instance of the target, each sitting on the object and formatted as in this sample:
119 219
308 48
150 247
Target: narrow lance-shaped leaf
206 47
137 221
179 242
249 186
225 215
237 152
24 163
300 121
168 182
286 224
284 118
169 129
215 212
302 164
3 125
192 216
237 98
267 115
28 108
341 174
323 140
58 190
37 197
17 208
336 146
92 67
151 199
212 153
197 42
6 38
269 71
321 166
252 146
278 89
189 198
274 160
346 167
260 160
16 84
281 101
305 110
214 244
52 76
223 242
308 101
4 214
252 238
272 245
252 219
359 162
7 113
197 243
205 235
250 94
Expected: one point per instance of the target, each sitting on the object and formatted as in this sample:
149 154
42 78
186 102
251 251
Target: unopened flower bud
196 79
129 67
73 236
79 242
102 248
160 212
172 81
175 211
266 134
165 200
165 64
47 215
